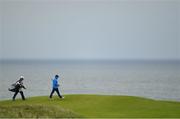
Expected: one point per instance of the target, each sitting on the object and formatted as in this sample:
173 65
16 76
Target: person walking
55 87
18 88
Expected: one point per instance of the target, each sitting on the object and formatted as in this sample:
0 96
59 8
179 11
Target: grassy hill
89 106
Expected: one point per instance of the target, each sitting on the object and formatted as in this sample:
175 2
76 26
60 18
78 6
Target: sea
159 80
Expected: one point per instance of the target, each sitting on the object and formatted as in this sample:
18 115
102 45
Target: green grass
89 106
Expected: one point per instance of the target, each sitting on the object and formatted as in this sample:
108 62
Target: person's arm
23 87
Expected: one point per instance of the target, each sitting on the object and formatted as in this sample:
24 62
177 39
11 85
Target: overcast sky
90 29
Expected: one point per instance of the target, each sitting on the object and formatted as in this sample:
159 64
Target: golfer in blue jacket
55 86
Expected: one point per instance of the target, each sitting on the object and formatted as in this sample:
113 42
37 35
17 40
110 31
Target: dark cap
56 76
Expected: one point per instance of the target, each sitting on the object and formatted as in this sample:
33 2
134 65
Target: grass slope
89 106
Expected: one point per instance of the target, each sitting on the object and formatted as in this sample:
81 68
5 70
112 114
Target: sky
90 29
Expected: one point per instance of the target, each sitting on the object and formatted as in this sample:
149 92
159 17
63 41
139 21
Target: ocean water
151 79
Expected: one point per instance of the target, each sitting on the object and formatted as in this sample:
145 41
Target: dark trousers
57 91
22 95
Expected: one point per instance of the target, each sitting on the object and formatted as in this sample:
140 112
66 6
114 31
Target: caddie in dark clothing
18 88
55 86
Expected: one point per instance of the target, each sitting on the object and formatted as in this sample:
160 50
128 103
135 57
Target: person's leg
51 93
15 95
22 95
57 91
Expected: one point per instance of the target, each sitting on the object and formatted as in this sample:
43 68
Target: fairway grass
90 106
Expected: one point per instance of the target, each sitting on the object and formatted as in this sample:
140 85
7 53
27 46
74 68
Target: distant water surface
151 79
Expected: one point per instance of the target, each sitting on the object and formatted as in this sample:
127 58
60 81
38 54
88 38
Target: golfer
18 88
55 86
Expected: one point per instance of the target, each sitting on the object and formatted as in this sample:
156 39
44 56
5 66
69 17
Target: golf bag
12 88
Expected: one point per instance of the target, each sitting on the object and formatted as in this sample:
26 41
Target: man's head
21 78
56 76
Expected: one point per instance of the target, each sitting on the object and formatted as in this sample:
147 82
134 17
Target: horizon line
84 60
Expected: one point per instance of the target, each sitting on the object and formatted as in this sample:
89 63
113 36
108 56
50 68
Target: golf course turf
89 106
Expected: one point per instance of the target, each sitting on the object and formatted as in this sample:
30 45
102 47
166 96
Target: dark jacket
19 85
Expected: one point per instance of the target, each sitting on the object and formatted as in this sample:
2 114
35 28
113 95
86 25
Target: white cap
22 77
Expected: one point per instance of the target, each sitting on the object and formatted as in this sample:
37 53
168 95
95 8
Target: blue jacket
55 83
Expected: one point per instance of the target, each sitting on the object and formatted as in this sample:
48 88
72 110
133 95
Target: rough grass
34 111
90 106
